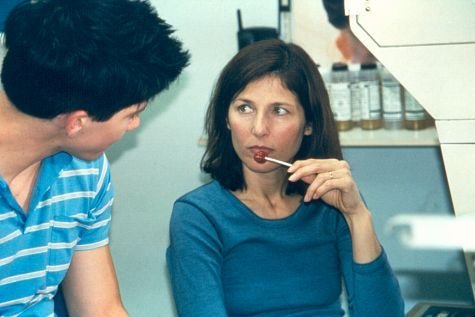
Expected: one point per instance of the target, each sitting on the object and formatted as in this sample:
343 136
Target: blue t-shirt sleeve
95 228
194 262
372 288
377 290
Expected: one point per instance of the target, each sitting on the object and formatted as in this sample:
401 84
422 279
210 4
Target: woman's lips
260 152
260 148
260 157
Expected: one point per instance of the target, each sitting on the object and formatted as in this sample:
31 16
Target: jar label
340 101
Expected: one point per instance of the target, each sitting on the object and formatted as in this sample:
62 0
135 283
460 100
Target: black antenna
284 8
239 19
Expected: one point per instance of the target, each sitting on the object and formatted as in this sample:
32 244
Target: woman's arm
366 246
372 288
194 263
331 181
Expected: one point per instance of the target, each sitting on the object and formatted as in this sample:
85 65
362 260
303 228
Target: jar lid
368 66
339 67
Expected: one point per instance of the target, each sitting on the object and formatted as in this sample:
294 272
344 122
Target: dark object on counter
250 35
439 309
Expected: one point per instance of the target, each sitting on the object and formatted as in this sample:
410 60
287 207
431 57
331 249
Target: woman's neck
265 194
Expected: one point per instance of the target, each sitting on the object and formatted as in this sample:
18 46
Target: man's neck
24 140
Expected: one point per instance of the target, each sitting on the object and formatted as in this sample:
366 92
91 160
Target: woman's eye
244 108
280 110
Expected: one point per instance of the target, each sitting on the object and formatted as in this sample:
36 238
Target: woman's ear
308 130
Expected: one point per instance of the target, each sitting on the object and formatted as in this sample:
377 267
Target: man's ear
75 121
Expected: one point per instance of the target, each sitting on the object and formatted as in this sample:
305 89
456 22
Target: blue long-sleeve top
224 260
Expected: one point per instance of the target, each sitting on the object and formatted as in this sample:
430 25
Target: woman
264 240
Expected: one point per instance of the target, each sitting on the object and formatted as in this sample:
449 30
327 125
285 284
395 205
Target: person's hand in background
352 49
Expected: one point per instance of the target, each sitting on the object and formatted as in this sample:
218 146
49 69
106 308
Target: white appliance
429 46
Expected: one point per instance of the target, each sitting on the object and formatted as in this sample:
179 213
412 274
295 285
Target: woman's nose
260 125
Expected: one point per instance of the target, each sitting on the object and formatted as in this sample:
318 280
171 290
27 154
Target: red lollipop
260 156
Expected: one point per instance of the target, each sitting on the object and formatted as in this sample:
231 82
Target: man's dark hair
100 56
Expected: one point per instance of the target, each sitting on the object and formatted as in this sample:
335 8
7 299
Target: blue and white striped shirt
70 210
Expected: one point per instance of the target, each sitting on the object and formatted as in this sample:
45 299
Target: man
76 76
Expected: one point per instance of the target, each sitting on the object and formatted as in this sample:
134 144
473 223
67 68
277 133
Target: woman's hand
330 180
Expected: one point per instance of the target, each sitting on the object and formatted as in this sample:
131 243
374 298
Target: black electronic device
441 310
250 35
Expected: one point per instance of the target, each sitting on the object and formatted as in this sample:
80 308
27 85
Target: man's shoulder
70 161
99 162
75 165
70 173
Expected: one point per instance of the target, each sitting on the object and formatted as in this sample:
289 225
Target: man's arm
90 287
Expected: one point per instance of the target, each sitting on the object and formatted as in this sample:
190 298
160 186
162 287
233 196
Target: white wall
160 161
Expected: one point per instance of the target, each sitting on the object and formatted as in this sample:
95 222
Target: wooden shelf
357 137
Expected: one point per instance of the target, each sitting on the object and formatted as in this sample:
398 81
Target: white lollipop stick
278 161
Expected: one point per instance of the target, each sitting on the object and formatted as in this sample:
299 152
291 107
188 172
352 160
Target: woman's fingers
308 170
325 182
329 180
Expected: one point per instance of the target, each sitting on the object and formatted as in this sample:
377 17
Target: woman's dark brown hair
298 73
